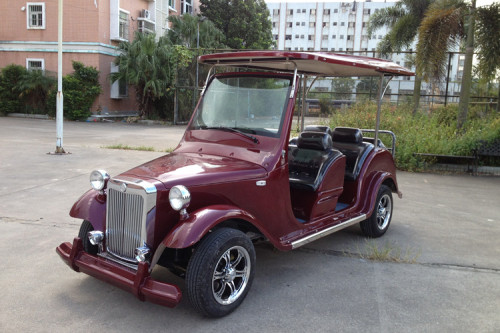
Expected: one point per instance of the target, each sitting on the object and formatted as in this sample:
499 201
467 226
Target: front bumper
137 282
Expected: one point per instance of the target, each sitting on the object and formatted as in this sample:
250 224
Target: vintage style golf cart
234 179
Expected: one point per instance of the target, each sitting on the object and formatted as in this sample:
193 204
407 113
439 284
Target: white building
340 27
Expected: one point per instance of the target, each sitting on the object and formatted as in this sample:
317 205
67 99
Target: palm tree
150 66
34 87
403 19
444 27
488 44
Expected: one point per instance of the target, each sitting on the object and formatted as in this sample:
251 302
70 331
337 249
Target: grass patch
388 252
127 147
139 148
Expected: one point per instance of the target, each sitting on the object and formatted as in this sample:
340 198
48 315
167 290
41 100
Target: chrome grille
124 226
129 202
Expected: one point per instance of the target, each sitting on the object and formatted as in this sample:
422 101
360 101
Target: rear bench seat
350 142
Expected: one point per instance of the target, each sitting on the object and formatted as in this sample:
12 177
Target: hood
190 169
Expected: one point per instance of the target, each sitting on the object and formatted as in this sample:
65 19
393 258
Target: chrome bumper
137 282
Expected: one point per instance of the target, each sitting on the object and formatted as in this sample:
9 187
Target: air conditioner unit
146 14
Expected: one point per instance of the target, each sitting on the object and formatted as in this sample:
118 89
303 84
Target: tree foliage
342 87
441 30
488 41
151 66
244 23
34 87
80 89
403 20
9 92
184 31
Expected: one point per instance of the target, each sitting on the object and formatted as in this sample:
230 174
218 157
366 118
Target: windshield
254 105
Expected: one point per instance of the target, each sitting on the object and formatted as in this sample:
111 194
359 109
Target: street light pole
59 108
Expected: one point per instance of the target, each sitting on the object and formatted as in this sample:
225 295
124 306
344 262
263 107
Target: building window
303 24
326 11
310 49
187 6
341 49
365 24
303 10
334 36
35 64
288 48
335 11
366 11
332 49
311 37
289 12
35 15
171 4
296 49
342 24
123 25
276 12
289 24
341 36
275 37
350 37
312 24
379 36
325 24
288 37
296 36
324 37
313 12
324 49
351 24
119 88
334 24
297 23
274 24
301 36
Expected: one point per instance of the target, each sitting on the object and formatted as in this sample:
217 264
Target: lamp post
59 103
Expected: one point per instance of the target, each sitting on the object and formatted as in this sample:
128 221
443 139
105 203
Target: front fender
189 231
373 187
91 207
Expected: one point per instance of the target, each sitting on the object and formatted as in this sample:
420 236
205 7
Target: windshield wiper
230 129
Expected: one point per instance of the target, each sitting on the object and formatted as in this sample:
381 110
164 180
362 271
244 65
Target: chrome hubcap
384 211
231 275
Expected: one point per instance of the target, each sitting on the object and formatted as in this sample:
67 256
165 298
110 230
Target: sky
479 3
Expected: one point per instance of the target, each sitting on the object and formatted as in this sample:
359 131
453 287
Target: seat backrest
318 128
350 142
306 161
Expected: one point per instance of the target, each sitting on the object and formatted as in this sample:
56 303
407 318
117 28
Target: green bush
80 89
433 133
10 100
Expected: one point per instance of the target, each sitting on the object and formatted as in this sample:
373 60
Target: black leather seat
310 159
311 128
350 142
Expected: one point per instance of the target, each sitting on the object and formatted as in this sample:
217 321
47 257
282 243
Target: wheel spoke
221 290
227 258
237 260
241 274
218 276
232 287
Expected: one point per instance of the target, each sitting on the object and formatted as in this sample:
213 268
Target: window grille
123 27
36 16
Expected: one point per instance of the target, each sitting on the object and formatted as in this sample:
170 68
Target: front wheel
220 272
378 223
84 230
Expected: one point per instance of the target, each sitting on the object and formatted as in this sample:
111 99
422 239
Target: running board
327 231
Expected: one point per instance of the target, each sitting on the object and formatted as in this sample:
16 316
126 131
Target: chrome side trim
327 231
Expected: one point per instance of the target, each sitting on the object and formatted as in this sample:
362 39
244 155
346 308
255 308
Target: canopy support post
381 92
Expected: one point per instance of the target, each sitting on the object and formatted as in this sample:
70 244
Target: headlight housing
98 179
179 197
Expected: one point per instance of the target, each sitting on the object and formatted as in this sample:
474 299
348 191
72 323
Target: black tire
84 230
220 272
378 223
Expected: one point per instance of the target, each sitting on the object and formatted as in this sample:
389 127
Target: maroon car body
241 183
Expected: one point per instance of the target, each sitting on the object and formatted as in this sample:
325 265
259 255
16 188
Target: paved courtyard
444 244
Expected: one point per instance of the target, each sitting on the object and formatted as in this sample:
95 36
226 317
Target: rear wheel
220 272
378 223
82 234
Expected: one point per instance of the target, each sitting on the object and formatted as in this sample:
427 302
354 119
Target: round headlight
179 197
98 179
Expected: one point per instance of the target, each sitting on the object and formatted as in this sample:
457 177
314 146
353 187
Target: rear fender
189 231
373 187
91 207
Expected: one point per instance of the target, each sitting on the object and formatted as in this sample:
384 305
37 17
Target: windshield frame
278 133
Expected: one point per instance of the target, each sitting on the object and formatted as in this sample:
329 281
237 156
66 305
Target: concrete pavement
444 234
